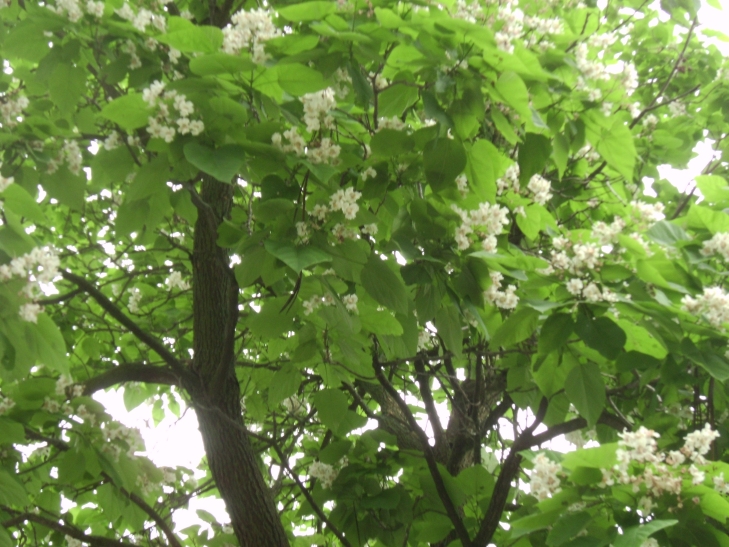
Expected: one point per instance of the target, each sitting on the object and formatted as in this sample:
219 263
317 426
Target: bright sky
177 442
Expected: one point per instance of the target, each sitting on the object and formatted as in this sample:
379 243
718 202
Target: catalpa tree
385 251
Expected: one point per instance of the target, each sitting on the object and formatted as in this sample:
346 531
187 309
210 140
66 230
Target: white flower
506 300
350 302
134 299
73 542
29 312
544 479
175 281
250 29
541 188
574 286
391 123
5 404
5 182
345 201
95 8
317 106
713 304
324 472
698 443
370 229
718 244
368 173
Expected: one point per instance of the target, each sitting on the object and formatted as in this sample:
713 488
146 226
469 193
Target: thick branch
131 372
451 510
509 470
117 314
427 395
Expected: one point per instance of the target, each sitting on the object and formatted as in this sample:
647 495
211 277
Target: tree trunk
215 392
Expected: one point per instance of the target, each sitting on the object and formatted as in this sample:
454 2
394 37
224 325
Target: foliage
362 217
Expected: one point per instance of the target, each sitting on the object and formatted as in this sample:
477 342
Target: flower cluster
718 244
70 154
130 438
590 291
38 266
511 29
345 201
658 473
350 303
172 108
175 281
134 300
606 234
5 404
142 19
62 385
12 109
294 405
647 213
391 123
491 220
250 29
506 300
317 108
324 473
315 301
544 480
713 304
510 180
541 188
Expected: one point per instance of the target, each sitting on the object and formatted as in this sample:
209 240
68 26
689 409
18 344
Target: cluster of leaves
429 209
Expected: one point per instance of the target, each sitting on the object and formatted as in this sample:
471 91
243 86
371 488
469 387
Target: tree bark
214 391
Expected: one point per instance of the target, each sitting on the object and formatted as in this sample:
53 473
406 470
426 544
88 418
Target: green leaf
390 142
585 389
20 202
555 332
307 11
567 527
443 160
394 100
273 320
334 451
713 187
188 37
667 233
67 188
11 432
284 384
513 91
504 126
299 79
5 539
601 334
483 168
331 406
297 257
636 535
384 285
533 156
448 323
66 86
128 111
615 145
519 326
222 163
379 322
220 63
12 492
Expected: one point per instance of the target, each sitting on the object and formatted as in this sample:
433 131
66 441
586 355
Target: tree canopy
385 251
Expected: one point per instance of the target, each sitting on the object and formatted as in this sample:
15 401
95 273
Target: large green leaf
519 326
188 37
222 163
443 159
331 407
220 63
128 111
384 285
636 535
514 92
307 11
585 389
299 79
483 168
601 334
448 323
12 492
297 257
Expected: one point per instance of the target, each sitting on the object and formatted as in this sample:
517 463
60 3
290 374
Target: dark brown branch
424 384
117 314
440 487
131 372
509 470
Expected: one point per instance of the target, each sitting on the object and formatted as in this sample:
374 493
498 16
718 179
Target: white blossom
325 473
541 188
544 477
350 302
175 281
250 29
29 312
317 107
345 201
713 304
718 244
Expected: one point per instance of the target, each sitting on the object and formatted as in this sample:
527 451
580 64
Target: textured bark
215 391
